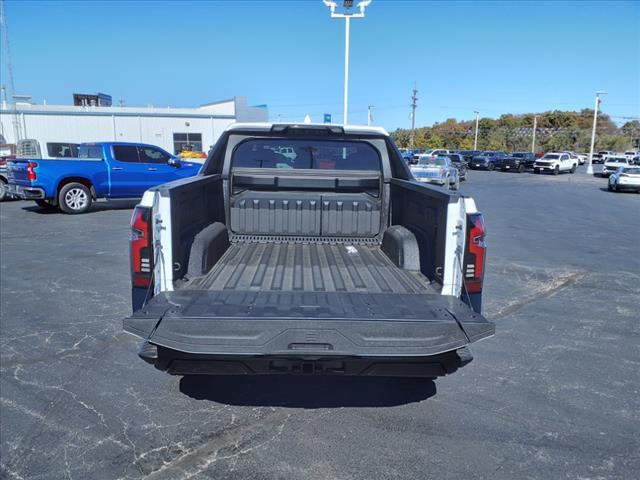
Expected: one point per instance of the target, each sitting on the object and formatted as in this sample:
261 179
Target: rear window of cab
306 154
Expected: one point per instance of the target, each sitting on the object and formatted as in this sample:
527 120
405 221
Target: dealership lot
556 393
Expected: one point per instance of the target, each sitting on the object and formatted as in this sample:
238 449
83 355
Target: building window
187 141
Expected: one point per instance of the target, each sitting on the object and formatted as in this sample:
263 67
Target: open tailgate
306 323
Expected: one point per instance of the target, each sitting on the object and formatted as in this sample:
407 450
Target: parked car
7 151
102 170
416 154
4 193
468 154
518 162
597 158
438 171
488 160
435 152
632 156
458 161
264 270
556 162
625 178
575 156
612 163
407 154
604 154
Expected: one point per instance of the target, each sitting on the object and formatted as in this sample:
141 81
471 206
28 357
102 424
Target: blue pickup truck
101 170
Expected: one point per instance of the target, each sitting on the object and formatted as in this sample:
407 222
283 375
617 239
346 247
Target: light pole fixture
593 132
347 15
475 141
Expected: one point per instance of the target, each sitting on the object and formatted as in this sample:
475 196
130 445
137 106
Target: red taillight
31 173
475 253
141 244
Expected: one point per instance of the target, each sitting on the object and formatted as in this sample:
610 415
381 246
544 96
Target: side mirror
174 162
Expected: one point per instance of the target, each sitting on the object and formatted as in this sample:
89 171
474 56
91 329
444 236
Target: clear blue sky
497 57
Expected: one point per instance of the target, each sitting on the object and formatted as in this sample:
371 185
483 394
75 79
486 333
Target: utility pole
535 127
414 105
17 128
475 141
593 132
369 115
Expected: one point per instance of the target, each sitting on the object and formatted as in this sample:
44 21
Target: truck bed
283 267
322 301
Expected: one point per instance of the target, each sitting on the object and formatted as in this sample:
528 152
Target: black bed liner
309 268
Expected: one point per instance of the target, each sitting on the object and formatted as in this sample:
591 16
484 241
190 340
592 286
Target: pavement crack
546 291
226 446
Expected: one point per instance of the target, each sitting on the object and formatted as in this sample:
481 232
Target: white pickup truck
329 261
556 162
612 163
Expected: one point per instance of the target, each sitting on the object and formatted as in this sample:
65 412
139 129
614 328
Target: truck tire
74 198
520 168
46 204
490 167
3 191
556 170
573 168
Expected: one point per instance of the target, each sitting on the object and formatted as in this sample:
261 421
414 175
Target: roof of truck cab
267 126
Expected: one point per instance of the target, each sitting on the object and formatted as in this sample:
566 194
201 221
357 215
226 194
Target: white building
169 128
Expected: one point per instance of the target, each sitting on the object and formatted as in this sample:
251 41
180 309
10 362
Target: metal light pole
593 132
369 115
475 142
348 4
535 127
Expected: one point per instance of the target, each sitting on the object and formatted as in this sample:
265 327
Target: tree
558 130
466 144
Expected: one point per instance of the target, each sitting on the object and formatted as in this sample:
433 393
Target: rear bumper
479 166
26 193
261 332
432 180
180 363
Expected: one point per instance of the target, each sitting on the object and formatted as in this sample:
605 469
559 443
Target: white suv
555 162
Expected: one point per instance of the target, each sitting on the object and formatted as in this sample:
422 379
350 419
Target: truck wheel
74 198
45 204
520 168
556 170
573 168
490 167
3 191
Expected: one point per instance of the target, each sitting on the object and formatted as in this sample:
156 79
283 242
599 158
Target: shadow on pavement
96 207
606 189
307 391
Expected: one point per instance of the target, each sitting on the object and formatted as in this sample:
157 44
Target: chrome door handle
117 168
152 169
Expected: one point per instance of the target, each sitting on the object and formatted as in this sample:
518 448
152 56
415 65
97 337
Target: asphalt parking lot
555 394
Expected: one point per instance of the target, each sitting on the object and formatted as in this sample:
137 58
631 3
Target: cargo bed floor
309 268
